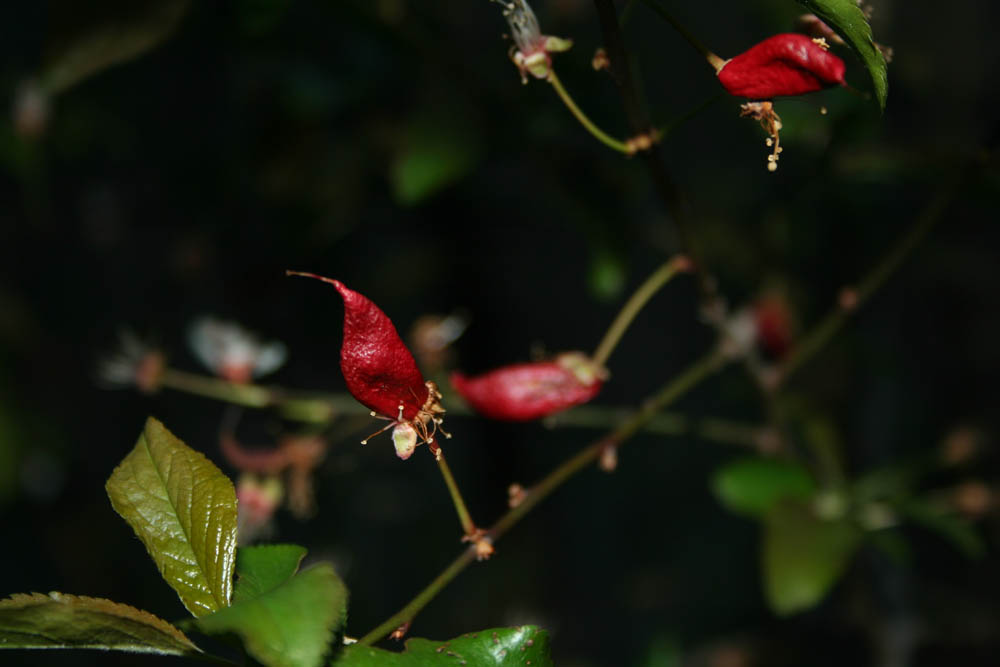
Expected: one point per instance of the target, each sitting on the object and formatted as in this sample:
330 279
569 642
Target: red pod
523 392
783 65
381 373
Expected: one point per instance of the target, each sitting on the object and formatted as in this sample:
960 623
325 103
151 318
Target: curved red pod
783 65
523 392
378 368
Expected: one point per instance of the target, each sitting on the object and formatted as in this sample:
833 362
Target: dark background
266 135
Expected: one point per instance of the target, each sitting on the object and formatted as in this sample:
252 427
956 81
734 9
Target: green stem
310 409
410 611
456 496
601 136
715 61
640 298
821 334
248 395
676 388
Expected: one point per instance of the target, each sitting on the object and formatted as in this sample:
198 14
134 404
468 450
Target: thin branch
676 388
640 125
713 60
639 298
598 133
851 299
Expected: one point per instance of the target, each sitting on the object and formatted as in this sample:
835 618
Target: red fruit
782 65
523 392
381 373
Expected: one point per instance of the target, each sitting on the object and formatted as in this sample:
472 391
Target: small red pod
378 368
783 65
382 375
523 392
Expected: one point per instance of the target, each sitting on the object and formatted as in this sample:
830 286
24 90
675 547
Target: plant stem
318 409
676 388
599 134
416 604
821 334
309 408
248 395
456 496
640 125
715 61
639 298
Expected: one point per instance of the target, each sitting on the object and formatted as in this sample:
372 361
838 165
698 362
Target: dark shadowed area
167 160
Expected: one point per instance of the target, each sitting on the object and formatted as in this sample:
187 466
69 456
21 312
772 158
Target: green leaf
753 486
957 530
438 150
262 568
500 647
848 21
803 555
290 624
184 510
68 621
87 38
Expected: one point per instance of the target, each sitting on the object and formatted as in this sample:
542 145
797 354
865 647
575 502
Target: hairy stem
639 298
599 134
676 388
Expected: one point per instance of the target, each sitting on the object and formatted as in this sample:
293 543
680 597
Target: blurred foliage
391 143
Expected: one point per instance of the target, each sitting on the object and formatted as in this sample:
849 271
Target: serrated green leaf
754 485
957 530
803 555
90 37
184 510
262 568
69 621
500 647
848 21
290 625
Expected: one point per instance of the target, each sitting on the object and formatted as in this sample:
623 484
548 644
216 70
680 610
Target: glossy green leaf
956 529
848 21
184 510
290 624
68 621
500 647
437 151
262 568
803 555
89 37
754 485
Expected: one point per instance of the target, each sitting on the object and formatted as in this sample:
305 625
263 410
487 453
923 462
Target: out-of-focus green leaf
89 37
753 485
68 621
500 647
848 21
289 625
184 510
607 273
437 151
262 568
803 556
957 530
